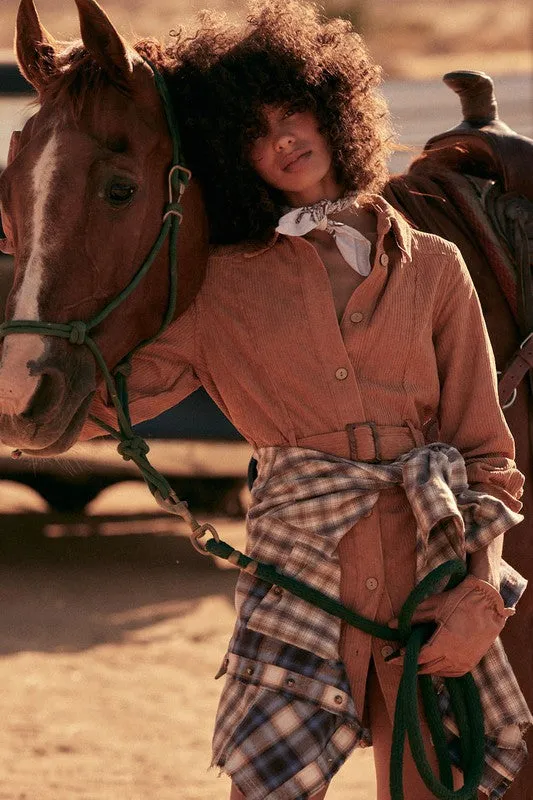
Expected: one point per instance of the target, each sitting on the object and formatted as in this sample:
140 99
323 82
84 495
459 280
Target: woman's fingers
426 611
432 667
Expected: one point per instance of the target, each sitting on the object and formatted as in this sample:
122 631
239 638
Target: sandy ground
108 649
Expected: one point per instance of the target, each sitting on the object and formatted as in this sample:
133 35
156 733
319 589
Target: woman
340 343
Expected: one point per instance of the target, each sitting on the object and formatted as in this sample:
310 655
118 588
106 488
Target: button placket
329 341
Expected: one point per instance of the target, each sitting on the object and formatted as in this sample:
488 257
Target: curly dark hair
288 55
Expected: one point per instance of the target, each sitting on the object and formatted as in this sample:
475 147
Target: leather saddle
489 147
488 169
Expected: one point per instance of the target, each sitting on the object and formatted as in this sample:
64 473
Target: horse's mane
79 75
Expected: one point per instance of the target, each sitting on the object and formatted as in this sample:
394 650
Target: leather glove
469 619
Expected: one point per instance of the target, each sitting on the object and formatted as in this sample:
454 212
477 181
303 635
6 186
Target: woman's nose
284 141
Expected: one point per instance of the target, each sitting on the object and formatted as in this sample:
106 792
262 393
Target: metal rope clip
200 531
182 183
177 168
174 505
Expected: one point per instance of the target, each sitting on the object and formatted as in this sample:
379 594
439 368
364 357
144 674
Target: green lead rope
464 695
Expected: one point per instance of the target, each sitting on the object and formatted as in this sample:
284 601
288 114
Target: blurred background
410 38
111 626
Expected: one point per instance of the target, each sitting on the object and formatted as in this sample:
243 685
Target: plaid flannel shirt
286 720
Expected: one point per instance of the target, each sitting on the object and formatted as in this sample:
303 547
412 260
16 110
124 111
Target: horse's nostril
44 399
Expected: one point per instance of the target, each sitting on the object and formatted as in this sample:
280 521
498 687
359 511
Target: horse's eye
120 193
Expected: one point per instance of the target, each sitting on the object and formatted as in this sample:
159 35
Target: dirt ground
108 649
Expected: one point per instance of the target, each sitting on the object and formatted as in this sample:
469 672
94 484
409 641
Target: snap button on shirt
357 316
384 260
387 651
371 583
341 374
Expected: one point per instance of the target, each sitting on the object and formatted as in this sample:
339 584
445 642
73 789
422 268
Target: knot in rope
133 448
77 333
124 368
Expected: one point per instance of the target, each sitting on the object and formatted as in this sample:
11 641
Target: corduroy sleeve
163 374
470 416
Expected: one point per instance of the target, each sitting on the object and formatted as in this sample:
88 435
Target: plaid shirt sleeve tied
286 720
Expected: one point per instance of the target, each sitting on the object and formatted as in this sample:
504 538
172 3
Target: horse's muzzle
53 417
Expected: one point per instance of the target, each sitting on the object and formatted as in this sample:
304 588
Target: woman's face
293 156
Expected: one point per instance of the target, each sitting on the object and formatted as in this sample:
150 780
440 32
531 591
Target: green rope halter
463 691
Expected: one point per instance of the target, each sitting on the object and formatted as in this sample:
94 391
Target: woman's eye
119 193
290 112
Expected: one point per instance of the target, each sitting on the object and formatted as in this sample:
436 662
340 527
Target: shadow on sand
70 594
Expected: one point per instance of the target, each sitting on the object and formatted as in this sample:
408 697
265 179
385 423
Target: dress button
338 699
277 590
371 583
290 681
384 260
368 514
357 316
387 651
341 374
249 670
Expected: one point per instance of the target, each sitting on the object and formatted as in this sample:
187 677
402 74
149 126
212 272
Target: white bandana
353 246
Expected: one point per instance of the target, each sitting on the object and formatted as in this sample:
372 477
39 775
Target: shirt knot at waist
314 491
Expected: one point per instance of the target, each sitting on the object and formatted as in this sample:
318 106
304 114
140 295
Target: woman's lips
296 163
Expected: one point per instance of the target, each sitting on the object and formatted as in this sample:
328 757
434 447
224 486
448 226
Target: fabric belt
366 441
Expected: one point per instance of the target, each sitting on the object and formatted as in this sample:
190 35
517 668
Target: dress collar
387 219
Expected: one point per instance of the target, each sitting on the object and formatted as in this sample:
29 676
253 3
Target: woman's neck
326 189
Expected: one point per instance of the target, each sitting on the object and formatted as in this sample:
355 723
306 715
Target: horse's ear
34 46
103 42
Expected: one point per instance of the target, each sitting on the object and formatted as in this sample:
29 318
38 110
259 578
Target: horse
84 198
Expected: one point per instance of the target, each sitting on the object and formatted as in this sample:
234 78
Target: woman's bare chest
343 278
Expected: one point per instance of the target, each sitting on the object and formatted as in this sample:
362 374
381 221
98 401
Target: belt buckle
351 428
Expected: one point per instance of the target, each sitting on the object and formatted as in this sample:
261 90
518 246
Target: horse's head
82 199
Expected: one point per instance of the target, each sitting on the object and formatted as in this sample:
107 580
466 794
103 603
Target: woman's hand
469 619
